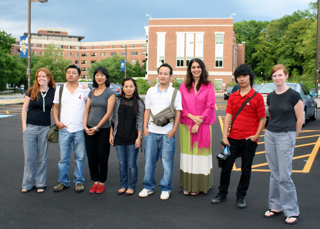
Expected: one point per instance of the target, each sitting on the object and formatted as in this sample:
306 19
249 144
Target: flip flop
274 213
25 191
294 222
186 192
40 189
194 193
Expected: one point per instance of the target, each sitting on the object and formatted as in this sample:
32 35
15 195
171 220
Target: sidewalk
11 99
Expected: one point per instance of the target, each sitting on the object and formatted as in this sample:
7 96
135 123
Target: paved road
69 209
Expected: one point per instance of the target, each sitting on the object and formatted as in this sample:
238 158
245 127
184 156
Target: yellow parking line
310 136
314 152
297 146
221 124
216 107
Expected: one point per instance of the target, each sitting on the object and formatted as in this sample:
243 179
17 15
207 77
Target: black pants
98 150
247 149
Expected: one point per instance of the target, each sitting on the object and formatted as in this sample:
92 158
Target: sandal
194 193
122 192
25 191
186 192
297 217
275 213
40 189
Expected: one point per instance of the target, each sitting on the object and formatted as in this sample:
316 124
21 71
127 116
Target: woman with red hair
36 123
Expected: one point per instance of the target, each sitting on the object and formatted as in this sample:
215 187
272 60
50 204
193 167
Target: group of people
91 121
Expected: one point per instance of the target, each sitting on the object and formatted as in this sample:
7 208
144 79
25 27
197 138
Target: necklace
43 100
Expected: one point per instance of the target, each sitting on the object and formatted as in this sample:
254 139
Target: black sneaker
241 202
220 197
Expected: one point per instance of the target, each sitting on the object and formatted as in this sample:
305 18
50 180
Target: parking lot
69 209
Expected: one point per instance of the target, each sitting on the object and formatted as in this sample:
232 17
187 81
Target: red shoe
100 188
93 189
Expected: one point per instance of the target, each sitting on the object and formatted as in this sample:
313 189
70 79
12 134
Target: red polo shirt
247 121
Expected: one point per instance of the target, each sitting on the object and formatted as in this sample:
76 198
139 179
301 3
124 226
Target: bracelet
96 129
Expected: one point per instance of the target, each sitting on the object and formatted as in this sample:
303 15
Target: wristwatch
96 129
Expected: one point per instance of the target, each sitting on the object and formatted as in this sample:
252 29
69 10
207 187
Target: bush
176 83
142 86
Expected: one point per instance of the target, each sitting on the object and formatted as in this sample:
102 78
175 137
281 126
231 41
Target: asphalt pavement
68 209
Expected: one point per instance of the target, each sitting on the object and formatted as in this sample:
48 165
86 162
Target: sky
106 20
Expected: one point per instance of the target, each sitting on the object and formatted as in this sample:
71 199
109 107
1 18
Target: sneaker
165 195
241 202
79 187
146 192
59 187
220 197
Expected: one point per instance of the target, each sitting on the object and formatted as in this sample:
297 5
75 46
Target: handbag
53 134
222 156
167 115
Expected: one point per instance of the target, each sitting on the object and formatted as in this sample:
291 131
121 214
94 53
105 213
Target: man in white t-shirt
70 126
159 141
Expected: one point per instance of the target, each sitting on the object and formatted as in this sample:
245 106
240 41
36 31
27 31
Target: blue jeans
35 146
79 148
155 146
127 155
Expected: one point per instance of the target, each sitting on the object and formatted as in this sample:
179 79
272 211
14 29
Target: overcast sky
100 20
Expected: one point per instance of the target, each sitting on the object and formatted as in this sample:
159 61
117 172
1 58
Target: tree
11 70
54 61
137 69
112 64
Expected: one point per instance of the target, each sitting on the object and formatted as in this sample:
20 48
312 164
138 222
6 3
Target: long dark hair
103 71
203 78
135 95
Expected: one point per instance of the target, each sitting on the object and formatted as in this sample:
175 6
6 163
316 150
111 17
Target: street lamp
29 38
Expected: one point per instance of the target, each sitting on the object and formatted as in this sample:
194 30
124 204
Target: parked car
227 93
256 87
313 92
120 88
115 89
309 104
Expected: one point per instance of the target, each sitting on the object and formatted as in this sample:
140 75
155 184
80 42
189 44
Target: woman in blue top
126 134
36 123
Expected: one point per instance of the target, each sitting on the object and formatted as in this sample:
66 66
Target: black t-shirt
126 130
281 110
35 115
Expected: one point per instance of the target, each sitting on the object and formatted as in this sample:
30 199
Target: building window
219 50
199 46
92 47
132 46
143 45
84 47
34 45
102 46
77 47
77 54
123 46
219 62
83 54
144 53
112 46
76 62
83 62
103 54
113 53
133 61
34 52
83 69
41 45
18 50
83 77
93 54
180 49
160 48
189 47
93 61
61 46
134 53
69 54
123 53
70 47
41 53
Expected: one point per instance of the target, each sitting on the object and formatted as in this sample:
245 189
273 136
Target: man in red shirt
244 133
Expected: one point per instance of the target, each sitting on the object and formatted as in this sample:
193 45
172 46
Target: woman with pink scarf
197 116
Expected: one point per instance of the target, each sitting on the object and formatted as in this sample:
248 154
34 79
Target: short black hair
244 70
74 66
105 72
165 65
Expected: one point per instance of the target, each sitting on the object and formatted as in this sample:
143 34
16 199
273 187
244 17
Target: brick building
83 53
177 41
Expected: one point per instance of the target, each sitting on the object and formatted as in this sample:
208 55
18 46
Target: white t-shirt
157 100
72 107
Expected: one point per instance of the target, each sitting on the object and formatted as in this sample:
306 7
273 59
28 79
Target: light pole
29 38
125 62
318 43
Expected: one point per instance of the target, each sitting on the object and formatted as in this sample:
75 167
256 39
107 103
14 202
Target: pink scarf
200 104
